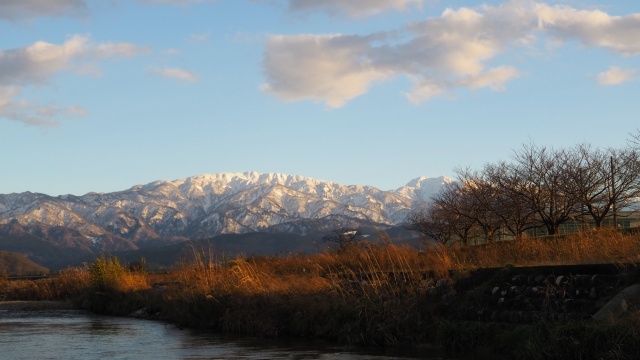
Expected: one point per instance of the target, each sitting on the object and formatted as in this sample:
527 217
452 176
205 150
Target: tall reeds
65 286
381 294
107 274
593 247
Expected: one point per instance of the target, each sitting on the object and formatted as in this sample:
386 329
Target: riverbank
36 305
527 312
495 298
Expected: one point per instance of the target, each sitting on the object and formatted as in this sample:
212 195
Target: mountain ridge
167 211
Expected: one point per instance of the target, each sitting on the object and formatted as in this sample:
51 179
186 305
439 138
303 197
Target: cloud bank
439 54
18 10
354 8
174 2
37 63
326 68
28 9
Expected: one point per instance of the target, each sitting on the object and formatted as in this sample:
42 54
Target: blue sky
102 95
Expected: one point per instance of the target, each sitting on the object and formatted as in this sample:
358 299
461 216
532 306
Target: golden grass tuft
107 274
67 284
594 247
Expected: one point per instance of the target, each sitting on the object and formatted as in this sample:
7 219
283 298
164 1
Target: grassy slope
44 253
18 264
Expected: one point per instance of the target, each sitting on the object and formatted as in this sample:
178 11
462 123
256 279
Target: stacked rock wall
528 294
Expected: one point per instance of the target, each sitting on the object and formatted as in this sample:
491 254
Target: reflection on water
64 334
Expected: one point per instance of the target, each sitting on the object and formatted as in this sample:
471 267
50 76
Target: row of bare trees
539 190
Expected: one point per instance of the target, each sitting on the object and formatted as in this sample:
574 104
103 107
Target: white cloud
329 68
615 76
37 63
425 91
354 8
105 50
593 28
440 54
15 109
456 50
174 2
174 73
199 38
28 9
495 78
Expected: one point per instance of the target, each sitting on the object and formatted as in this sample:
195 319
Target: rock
582 280
141 313
550 279
608 280
518 280
620 303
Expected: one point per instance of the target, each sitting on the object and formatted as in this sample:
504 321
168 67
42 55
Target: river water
70 334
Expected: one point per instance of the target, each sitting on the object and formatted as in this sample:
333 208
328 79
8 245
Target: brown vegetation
67 285
371 294
13 263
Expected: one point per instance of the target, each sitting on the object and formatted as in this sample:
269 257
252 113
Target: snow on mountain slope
214 204
423 188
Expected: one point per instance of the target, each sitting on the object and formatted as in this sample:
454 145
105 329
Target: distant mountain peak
214 203
427 181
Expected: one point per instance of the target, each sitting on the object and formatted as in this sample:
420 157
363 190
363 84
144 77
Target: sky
102 95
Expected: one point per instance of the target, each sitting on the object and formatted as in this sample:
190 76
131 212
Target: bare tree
514 210
586 179
452 202
446 220
603 181
542 184
625 177
344 238
433 223
540 188
429 225
634 141
479 202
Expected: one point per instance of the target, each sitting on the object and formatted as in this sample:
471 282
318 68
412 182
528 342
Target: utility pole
613 193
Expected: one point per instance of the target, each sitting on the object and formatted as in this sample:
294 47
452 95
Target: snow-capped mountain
208 205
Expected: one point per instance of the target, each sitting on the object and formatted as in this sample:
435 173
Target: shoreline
469 302
44 305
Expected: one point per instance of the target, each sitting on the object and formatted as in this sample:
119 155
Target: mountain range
166 212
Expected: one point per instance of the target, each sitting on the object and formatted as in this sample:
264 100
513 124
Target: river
72 334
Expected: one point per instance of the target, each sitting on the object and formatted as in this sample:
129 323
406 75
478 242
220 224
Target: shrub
107 274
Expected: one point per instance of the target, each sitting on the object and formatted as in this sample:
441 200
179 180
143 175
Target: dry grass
595 247
68 284
107 274
364 270
374 294
386 268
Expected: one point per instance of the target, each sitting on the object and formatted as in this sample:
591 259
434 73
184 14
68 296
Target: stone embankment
529 294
